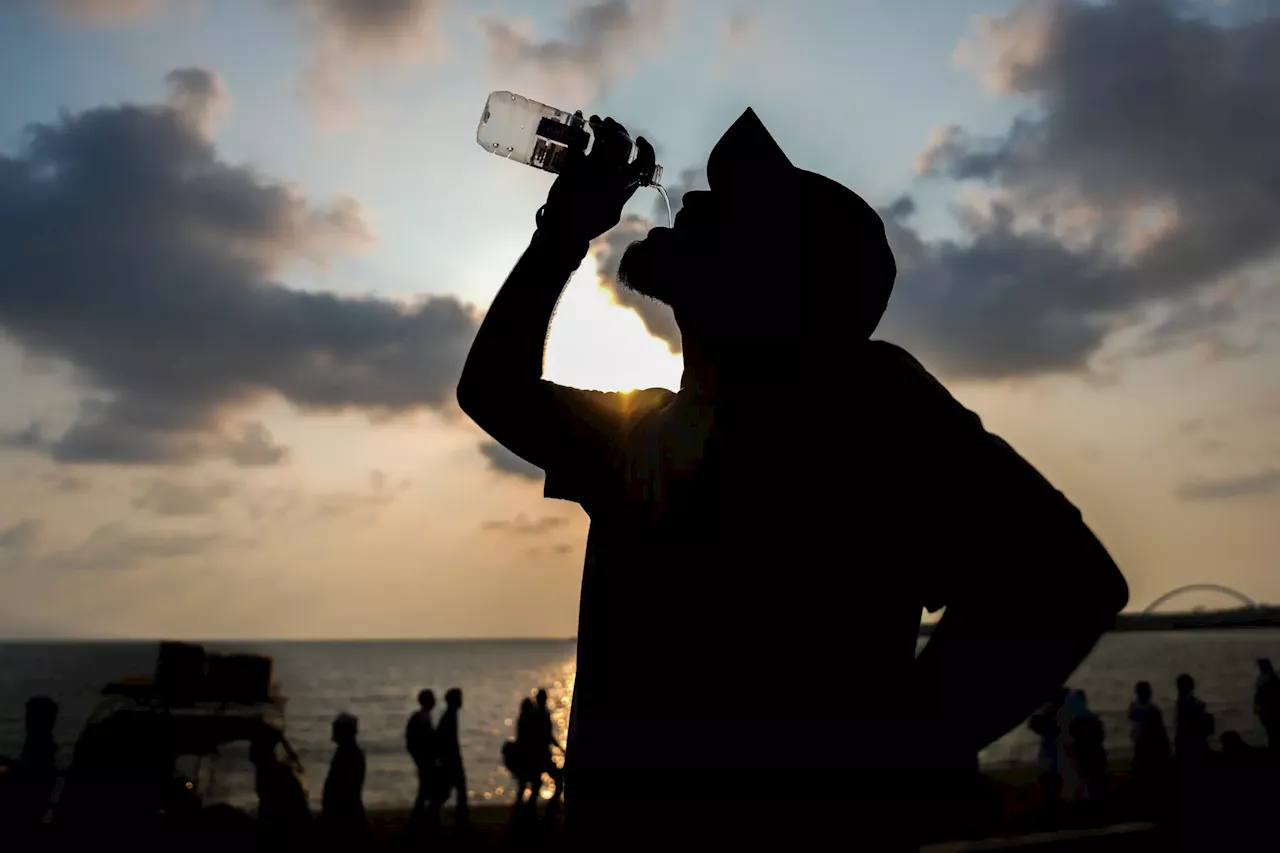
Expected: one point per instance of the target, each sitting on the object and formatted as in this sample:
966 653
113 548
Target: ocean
379 682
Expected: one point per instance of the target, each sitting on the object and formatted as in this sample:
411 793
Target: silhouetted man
1150 747
784 515
452 776
1194 725
420 737
342 817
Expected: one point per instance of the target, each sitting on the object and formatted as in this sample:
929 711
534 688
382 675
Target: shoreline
1014 790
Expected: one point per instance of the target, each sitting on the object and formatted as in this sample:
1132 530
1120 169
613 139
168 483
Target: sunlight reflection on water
379 682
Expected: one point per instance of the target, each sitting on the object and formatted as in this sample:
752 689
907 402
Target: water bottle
537 135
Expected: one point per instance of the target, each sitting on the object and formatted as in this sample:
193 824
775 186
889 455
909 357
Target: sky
245 244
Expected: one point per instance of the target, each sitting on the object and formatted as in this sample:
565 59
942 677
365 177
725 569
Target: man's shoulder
888 361
908 388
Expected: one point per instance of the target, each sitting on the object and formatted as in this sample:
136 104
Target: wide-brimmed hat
748 165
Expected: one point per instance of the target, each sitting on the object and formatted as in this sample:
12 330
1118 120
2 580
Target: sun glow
596 344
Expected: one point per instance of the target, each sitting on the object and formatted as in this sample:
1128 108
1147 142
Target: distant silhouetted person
37 769
420 740
1086 783
342 818
546 741
1195 725
789 510
1045 724
452 778
1150 746
284 817
521 754
1266 702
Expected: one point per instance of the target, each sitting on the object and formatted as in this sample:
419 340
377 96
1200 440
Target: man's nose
695 199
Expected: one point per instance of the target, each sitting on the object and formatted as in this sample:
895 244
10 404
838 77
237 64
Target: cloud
525 526
1143 177
255 447
197 93
350 36
173 497
115 547
130 250
659 320
506 462
1257 484
601 41
20 536
102 11
362 505
68 483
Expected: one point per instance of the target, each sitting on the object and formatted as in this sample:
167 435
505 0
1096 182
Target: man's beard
651 267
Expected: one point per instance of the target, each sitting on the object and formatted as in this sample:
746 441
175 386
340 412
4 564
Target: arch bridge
1245 601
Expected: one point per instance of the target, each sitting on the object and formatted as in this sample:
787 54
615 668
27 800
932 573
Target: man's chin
647 265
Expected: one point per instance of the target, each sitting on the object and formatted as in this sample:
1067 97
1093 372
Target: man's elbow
470 395
478 396
1105 591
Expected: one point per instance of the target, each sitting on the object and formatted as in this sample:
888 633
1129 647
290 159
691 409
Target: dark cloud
600 41
658 319
147 432
30 437
172 497
506 462
255 448
1144 177
20 536
196 92
131 251
524 525
1257 484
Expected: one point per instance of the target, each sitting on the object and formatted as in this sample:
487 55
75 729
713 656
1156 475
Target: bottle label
554 140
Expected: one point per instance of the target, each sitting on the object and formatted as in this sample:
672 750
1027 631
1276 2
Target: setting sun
597 344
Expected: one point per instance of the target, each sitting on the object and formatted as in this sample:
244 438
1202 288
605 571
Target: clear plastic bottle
537 135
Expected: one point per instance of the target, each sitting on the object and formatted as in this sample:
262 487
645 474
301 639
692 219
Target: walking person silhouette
342 823
420 741
520 755
544 733
452 778
788 511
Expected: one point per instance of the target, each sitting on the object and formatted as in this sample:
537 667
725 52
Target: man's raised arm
501 387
